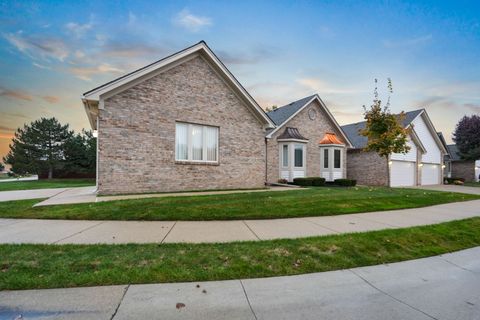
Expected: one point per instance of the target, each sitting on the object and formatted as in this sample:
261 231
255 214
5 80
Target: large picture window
196 142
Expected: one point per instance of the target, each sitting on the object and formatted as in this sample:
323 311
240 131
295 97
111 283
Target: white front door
402 173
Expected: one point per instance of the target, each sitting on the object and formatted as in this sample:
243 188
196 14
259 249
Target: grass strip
322 201
52 266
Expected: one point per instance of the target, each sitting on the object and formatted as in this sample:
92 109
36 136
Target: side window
337 161
285 155
325 158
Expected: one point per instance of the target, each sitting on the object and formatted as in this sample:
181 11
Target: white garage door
430 174
402 174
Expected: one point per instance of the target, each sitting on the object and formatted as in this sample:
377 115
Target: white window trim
331 160
189 143
291 158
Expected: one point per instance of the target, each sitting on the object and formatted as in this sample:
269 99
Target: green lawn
44 184
50 266
472 184
261 205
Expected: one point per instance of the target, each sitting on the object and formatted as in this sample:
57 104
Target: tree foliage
467 137
2 167
46 145
384 130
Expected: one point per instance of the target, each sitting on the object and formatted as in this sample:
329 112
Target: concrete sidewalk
30 194
111 232
442 287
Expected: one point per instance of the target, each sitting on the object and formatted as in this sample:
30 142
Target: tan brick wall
314 130
137 135
464 169
368 168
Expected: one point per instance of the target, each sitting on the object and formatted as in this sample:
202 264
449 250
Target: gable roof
360 142
93 99
281 114
287 112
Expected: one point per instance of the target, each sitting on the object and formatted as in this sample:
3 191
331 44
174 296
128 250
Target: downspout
266 160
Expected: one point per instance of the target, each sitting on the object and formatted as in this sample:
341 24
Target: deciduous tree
467 137
384 130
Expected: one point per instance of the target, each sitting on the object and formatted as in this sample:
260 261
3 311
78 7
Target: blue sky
51 52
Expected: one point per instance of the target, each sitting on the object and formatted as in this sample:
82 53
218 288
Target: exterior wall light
420 164
390 163
443 166
95 133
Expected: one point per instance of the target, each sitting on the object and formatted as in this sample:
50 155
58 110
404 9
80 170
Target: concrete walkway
88 232
441 287
88 195
30 194
451 188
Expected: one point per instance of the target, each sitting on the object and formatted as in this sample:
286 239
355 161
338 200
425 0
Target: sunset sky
51 52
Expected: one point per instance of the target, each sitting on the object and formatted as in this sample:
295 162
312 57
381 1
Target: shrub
309 181
345 182
452 180
283 181
303 181
458 182
317 181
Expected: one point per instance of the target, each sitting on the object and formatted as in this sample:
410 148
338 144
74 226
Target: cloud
321 86
38 47
131 18
41 66
51 99
15 94
85 73
191 22
407 42
79 30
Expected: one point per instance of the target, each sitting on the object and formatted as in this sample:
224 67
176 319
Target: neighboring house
466 169
181 123
307 141
421 165
447 159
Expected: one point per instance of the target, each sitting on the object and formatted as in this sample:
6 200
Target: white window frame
204 143
331 161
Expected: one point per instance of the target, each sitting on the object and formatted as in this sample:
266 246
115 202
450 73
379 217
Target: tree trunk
388 171
50 172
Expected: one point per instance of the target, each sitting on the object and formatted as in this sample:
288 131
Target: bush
458 182
345 182
452 180
283 181
309 181
303 182
317 181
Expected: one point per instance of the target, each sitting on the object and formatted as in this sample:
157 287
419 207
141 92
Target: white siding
433 153
431 174
299 174
402 174
411 155
285 175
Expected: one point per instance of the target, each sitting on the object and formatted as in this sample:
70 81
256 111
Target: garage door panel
430 174
402 174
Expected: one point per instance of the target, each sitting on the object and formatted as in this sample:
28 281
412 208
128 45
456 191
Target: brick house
459 168
181 123
306 141
421 165
186 123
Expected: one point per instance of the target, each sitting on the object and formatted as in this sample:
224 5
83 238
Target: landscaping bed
315 201
53 266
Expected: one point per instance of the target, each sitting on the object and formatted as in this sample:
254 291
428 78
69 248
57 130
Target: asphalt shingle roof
359 141
453 151
281 114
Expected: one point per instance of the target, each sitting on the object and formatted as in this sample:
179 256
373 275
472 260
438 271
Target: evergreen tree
80 153
38 147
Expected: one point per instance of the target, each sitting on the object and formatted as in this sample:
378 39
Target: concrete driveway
451 188
442 287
